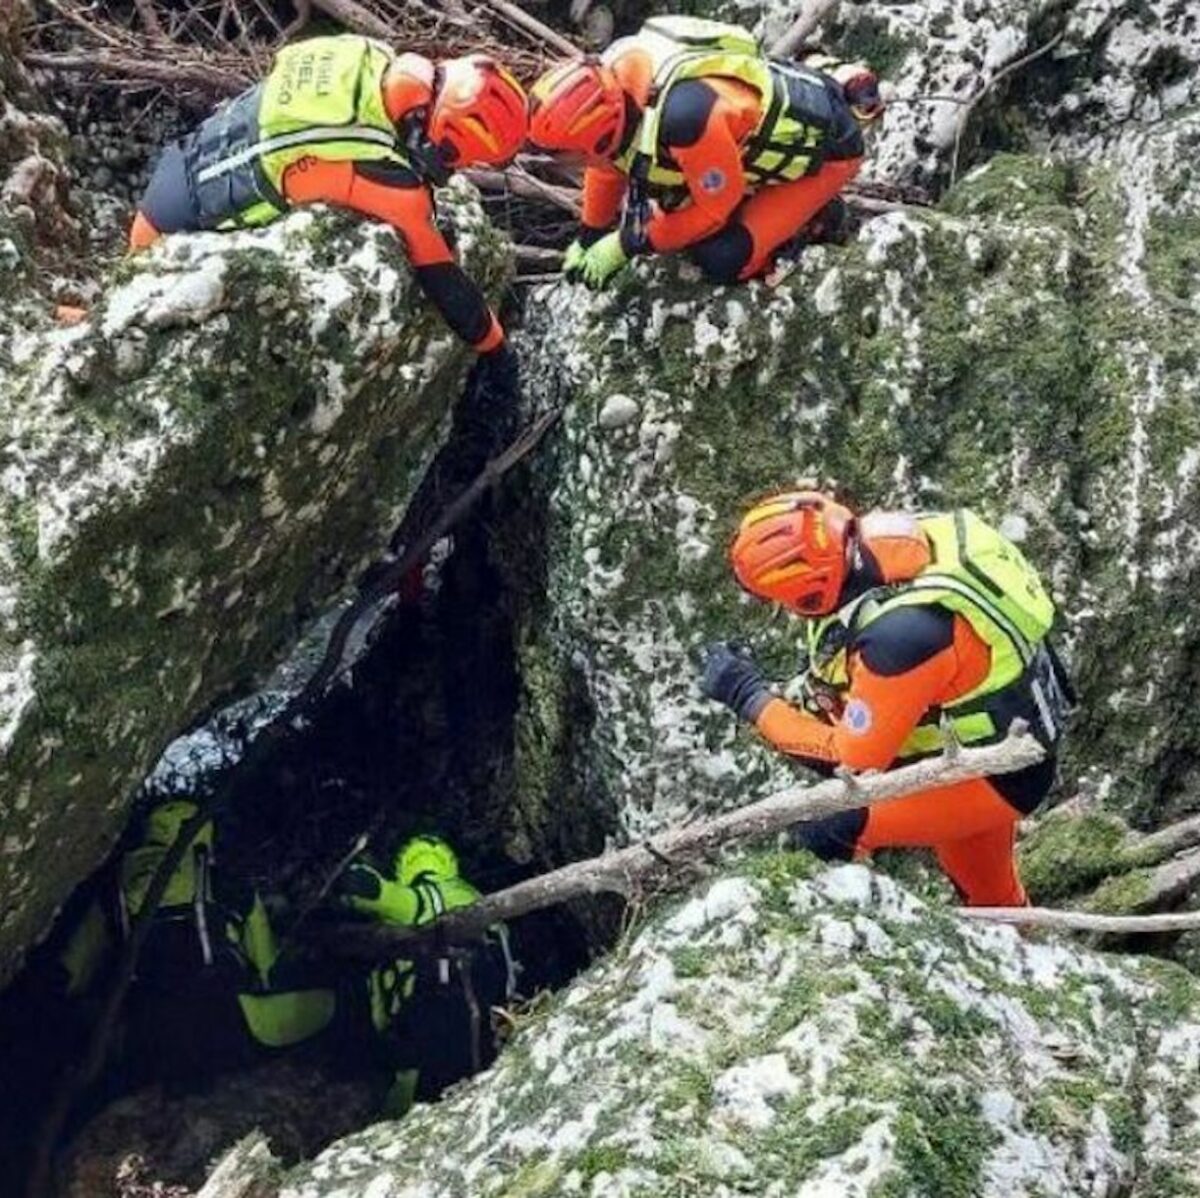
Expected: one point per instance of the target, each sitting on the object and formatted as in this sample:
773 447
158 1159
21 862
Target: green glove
603 260
363 888
572 265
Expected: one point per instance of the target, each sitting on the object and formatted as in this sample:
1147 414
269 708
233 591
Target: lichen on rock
190 477
785 1032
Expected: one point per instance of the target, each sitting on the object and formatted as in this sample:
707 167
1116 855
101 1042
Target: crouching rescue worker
212 991
703 144
343 120
432 1014
914 620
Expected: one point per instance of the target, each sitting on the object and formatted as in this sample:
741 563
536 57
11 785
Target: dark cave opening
417 740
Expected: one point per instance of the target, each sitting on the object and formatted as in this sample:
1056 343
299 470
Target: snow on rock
818 1069
188 477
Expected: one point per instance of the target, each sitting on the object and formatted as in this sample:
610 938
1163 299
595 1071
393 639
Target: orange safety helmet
479 112
578 106
793 548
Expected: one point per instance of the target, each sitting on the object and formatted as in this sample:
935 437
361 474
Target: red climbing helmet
479 112
577 107
792 548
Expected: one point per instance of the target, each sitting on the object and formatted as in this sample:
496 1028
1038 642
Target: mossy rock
789 1032
192 476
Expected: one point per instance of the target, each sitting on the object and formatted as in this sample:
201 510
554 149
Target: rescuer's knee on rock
724 255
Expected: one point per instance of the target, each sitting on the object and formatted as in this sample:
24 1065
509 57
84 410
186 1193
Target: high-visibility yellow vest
322 99
977 573
798 113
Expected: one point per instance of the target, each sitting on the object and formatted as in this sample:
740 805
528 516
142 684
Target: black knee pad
832 838
724 255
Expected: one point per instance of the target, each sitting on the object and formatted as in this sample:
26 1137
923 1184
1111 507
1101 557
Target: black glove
359 885
502 374
732 678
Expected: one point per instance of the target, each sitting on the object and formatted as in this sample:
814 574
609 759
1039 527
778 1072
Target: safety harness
323 99
804 119
977 573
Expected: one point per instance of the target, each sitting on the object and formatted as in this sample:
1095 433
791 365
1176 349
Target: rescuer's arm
699 131
392 193
901 666
603 192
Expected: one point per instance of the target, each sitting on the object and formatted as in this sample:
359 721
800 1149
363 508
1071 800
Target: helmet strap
426 158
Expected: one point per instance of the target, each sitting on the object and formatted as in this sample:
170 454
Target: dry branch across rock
632 870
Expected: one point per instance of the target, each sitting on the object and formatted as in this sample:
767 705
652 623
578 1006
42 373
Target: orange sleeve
408 209
398 198
796 732
882 711
712 169
603 192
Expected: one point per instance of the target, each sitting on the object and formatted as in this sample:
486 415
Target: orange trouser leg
781 210
142 233
970 827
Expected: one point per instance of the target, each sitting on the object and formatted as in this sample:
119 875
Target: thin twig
532 26
969 107
1083 921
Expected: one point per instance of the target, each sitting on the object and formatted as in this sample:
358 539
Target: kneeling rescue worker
343 120
913 620
429 1013
704 142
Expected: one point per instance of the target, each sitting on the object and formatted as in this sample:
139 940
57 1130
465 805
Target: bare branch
355 16
969 107
534 28
630 869
811 15
1084 921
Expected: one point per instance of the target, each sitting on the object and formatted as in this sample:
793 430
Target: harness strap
318 135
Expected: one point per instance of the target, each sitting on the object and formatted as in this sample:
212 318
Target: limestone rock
189 478
792 1035
1030 352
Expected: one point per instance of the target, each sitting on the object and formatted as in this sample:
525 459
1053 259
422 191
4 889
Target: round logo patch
858 717
712 180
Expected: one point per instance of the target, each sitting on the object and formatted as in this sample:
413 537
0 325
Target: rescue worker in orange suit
344 120
914 621
703 144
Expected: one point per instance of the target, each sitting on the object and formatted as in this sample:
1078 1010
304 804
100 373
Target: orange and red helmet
578 107
794 548
479 113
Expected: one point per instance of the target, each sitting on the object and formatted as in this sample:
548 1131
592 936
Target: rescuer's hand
602 261
732 678
572 265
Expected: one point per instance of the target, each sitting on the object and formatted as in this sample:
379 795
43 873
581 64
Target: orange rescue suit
387 193
717 186
902 665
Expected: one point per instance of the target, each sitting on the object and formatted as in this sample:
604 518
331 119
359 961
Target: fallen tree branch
356 17
534 28
1084 921
79 1079
627 870
1166 842
969 107
812 14
211 79
521 183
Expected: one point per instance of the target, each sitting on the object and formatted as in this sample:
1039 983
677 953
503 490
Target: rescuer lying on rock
432 1013
912 620
343 120
704 143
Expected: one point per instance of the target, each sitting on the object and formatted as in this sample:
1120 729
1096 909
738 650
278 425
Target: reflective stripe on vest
287 141
1021 681
323 98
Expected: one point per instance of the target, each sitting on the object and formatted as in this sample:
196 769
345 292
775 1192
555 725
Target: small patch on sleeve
858 717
